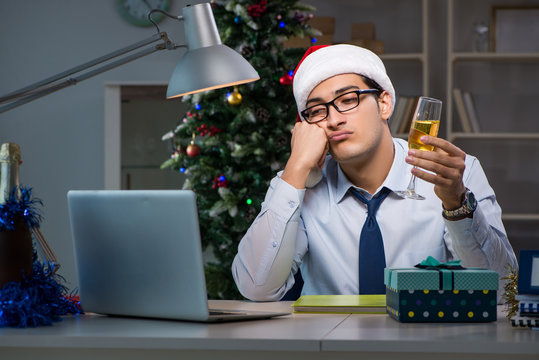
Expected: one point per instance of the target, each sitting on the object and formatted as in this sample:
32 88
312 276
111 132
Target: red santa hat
324 61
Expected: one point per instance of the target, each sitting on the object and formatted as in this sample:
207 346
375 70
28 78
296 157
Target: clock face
136 11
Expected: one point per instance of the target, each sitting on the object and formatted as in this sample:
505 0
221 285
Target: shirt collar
396 178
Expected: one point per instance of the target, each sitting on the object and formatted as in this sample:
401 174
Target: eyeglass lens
341 103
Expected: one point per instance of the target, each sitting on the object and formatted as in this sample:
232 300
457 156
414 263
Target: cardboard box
421 295
297 42
363 31
325 24
324 40
376 46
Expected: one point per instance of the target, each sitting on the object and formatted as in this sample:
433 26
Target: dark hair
372 84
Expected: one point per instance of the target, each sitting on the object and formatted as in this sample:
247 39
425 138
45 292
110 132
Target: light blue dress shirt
318 230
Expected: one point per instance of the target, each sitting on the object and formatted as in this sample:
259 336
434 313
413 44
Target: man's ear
385 106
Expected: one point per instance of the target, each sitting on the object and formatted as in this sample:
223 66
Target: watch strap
466 209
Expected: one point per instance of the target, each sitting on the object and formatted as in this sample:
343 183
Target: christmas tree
232 142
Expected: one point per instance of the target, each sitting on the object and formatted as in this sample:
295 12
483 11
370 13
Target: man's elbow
259 293
253 292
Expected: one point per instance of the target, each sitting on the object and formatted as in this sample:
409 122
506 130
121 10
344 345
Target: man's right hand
309 148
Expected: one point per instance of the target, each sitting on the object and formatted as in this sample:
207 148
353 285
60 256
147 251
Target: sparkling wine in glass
426 121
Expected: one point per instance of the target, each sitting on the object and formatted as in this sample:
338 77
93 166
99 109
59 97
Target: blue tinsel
23 207
39 299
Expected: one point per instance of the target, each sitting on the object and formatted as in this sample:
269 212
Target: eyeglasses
341 103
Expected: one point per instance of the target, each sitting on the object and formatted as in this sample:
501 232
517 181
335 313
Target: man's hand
309 148
447 164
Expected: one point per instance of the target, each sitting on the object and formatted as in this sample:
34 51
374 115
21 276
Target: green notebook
359 304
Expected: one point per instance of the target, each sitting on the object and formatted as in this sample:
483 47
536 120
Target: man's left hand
446 166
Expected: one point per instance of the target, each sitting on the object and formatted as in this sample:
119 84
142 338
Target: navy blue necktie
372 260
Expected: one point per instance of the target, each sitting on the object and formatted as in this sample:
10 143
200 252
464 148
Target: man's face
355 134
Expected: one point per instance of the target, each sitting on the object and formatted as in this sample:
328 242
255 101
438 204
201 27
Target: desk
295 336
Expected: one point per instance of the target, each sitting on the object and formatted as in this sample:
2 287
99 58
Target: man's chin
344 157
339 153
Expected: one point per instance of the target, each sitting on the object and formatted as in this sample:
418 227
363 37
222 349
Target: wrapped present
441 292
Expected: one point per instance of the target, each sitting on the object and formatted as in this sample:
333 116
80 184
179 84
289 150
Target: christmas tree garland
40 298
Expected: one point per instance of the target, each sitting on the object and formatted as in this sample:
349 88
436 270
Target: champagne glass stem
411 184
410 193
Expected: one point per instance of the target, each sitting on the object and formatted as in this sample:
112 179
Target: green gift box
441 292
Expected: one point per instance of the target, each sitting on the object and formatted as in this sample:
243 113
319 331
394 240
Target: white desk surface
294 336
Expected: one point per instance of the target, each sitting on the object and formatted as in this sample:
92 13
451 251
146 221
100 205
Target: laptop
138 253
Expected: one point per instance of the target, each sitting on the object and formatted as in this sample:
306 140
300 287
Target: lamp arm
43 88
175 17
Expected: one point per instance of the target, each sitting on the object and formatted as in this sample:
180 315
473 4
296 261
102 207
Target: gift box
441 292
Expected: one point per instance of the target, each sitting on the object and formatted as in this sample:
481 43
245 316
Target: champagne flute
426 121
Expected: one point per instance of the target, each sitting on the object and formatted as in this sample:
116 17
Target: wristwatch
466 209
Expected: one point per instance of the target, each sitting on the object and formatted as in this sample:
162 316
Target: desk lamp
207 64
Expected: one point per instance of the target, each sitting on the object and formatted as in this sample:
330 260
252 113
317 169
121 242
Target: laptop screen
138 253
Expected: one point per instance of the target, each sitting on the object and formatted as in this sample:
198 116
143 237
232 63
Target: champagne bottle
10 158
15 244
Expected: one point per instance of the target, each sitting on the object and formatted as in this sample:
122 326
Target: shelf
520 217
133 167
474 56
403 56
500 136
508 157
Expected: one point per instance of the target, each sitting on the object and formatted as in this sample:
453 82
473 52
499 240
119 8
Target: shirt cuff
468 232
285 199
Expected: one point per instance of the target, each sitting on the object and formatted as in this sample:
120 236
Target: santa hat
324 61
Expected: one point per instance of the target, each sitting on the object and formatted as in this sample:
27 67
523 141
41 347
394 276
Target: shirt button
274 244
291 204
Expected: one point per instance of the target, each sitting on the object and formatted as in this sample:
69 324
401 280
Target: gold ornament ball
234 98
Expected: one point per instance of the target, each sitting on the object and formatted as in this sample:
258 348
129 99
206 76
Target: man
313 219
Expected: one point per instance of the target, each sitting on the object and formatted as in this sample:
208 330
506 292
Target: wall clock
136 11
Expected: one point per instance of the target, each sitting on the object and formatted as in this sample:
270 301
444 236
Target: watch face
471 201
136 11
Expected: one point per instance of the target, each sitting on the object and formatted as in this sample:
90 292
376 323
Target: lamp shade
207 64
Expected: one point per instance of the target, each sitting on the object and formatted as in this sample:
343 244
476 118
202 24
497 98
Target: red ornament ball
193 150
286 79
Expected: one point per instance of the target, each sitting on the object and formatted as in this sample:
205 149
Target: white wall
61 135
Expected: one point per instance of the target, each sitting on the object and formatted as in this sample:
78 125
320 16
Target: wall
61 135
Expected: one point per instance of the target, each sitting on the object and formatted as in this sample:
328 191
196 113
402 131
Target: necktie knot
374 203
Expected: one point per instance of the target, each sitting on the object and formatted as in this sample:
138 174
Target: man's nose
335 118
